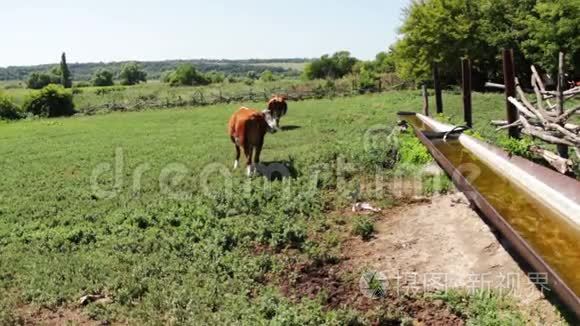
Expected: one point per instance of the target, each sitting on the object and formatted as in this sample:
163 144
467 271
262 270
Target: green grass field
135 206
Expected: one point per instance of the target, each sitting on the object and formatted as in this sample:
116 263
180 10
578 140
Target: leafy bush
103 77
38 80
252 75
412 151
367 77
187 75
9 110
51 101
267 76
519 147
335 66
363 227
131 74
215 77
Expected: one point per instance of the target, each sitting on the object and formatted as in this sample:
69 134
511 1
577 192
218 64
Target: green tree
131 74
343 63
384 62
66 79
187 75
267 76
366 75
438 31
252 75
103 77
38 80
336 66
553 26
215 77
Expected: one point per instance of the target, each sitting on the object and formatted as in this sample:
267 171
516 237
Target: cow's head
271 121
277 106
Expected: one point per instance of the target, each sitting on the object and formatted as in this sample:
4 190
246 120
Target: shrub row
51 101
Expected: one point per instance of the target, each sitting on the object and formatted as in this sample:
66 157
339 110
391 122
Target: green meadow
144 209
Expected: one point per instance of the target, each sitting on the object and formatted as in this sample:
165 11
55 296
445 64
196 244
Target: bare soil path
442 243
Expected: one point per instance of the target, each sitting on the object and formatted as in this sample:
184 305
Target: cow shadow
290 127
277 170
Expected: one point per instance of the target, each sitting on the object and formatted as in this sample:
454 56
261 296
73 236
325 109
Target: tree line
133 73
85 72
441 32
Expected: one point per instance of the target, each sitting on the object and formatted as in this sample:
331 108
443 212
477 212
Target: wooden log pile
545 116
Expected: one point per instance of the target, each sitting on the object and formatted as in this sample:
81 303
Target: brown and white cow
247 128
278 107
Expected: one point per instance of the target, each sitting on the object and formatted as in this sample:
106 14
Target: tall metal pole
509 76
466 90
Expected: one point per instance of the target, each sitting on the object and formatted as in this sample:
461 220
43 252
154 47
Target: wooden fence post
425 100
509 77
466 91
437 86
562 149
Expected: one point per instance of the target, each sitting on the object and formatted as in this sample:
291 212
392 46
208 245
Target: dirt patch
332 284
443 244
427 245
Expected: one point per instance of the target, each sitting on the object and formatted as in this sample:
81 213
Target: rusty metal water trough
558 193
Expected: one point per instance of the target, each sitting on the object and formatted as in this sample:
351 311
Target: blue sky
35 31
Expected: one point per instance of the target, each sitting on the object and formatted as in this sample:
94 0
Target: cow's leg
237 161
248 154
257 151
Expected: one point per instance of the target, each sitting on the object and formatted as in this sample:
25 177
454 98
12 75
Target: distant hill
154 69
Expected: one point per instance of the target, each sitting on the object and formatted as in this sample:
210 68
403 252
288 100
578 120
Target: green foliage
51 101
364 227
437 31
103 77
9 110
131 74
412 151
483 307
553 26
38 80
436 184
253 75
215 77
384 62
335 66
443 31
375 286
187 75
367 77
519 147
66 78
267 76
